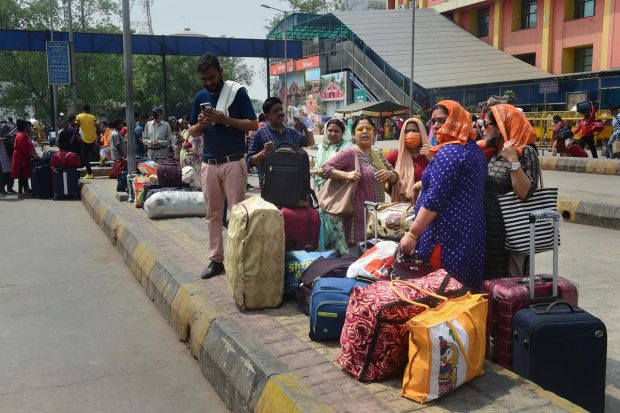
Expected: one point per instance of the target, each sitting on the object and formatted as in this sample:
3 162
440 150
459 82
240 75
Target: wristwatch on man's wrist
515 165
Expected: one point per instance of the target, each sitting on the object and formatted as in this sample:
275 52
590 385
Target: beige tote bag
338 197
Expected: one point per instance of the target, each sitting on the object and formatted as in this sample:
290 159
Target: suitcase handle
541 215
548 308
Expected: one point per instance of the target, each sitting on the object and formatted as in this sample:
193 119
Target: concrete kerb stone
282 390
590 213
585 165
238 368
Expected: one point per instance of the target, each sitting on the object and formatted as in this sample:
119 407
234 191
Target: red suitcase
509 295
301 228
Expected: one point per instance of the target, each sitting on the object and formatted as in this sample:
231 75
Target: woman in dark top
512 167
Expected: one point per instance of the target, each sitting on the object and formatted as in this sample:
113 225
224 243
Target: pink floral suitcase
374 337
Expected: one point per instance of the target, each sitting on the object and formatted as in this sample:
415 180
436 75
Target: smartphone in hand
206 107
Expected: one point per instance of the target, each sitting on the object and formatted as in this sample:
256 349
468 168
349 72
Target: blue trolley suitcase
328 306
42 186
560 347
66 183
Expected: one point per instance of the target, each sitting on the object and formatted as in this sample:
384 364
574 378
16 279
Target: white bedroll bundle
175 204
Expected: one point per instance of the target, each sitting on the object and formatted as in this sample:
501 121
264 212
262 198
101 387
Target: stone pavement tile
403 405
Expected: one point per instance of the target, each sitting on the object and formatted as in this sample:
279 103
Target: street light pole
412 60
286 13
129 115
285 67
72 61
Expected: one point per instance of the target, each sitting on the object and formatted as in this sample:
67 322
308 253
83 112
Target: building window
529 58
483 22
584 8
583 59
529 11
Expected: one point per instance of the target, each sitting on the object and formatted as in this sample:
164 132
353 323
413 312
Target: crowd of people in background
452 168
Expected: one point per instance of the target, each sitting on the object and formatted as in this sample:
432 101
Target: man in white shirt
157 136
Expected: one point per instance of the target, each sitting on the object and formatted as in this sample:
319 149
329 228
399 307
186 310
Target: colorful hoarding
334 87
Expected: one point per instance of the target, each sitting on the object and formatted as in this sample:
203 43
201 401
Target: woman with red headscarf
512 167
449 229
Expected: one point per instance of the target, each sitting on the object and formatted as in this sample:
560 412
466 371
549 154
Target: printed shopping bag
296 262
376 263
446 344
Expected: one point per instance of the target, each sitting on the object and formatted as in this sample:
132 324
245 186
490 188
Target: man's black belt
225 159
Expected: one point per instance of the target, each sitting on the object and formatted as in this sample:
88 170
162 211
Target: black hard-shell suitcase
563 349
66 183
559 346
42 184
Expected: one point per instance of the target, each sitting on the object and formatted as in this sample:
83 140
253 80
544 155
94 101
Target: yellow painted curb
145 262
590 167
191 313
548 163
286 393
568 205
612 168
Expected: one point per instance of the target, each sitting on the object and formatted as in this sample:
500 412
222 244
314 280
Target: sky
214 18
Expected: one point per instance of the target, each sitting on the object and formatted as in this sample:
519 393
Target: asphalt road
77 333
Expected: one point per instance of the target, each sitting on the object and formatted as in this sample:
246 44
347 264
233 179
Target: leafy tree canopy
100 77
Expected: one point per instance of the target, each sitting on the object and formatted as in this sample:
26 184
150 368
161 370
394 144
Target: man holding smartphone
222 113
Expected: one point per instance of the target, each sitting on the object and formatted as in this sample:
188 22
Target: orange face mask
413 140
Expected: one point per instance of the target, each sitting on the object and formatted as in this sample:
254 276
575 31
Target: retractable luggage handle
543 215
375 206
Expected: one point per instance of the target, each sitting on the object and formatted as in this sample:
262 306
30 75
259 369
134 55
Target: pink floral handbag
374 337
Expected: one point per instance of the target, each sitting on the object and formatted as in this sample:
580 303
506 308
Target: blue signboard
58 67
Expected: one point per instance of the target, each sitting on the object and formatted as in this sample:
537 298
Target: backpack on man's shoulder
286 177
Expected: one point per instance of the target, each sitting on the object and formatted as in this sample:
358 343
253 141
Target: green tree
100 77
26 72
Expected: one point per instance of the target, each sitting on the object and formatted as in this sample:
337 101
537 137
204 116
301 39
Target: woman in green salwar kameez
336 136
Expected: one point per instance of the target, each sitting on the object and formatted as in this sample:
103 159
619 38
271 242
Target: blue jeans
614 137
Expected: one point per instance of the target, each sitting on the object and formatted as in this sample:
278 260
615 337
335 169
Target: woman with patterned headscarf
512 167
336 136
414 146
449 229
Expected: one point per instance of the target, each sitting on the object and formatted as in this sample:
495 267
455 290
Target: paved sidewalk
265 358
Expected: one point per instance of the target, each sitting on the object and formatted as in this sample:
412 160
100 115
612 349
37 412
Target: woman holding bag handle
374 172
512 167
449 229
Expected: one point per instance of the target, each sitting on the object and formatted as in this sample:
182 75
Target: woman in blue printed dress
449 228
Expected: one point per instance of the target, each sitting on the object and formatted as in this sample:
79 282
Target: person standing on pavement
7 133
118 144
223 120
157 136
86 122
585 128
138 135
275 132
23 155
615 123
512 166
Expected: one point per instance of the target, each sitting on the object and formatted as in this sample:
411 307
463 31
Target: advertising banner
334 87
